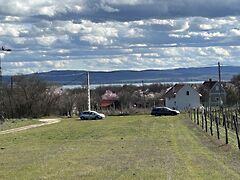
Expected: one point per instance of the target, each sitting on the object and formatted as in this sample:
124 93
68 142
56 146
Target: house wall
182 101
171 103
214 95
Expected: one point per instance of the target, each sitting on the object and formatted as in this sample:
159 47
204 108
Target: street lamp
1 84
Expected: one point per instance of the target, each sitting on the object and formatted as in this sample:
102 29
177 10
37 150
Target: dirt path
44 123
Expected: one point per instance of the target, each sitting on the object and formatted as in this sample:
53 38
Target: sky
108 35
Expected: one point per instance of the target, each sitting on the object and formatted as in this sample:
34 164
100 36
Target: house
109 100
182 97
212 93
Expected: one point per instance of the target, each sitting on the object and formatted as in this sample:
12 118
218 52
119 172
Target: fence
219 122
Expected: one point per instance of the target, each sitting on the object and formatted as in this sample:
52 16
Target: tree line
32 97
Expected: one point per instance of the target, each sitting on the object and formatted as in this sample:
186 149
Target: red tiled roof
106 103
173 90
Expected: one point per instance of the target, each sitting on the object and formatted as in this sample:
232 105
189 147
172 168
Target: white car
91 115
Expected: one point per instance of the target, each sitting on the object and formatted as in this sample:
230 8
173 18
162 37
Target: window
187 93
217 88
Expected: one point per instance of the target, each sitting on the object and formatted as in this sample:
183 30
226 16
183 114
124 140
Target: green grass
133 147
15 123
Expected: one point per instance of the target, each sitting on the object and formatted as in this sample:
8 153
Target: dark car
164 111
91 115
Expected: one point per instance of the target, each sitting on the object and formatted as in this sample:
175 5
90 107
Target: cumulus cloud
118 34
220 51
235 32
121 9
46 40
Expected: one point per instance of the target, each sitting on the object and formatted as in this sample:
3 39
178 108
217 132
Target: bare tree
28 97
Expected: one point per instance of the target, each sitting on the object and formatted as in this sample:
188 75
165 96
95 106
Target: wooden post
202 120
222 112
219 115
216 114
217 123
226 117
232 120
209 112
237 120
197 116
236 129
211 121
226 130
191 114
205 117
227 121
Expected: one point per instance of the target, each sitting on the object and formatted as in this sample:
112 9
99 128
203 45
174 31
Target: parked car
91 115
160 111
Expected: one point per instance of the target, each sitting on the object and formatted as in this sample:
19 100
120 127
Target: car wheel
82 118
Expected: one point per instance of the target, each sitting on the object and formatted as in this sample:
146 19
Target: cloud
235 32
118 34
207 35
120 10
220 51
46 40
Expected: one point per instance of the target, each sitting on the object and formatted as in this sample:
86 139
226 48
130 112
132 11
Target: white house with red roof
182 97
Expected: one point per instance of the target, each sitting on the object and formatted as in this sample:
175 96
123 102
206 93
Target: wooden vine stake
236 129
226 129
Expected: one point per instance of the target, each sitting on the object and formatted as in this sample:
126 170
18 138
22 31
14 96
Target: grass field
132 147
15 123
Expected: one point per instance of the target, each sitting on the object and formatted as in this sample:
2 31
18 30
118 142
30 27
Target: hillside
74 77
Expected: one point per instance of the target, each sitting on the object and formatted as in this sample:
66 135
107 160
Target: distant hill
73 77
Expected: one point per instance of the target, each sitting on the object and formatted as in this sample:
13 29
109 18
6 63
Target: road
44 123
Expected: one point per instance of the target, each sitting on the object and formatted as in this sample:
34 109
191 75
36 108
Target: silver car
91 115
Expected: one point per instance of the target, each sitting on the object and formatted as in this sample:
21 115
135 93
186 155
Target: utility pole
220 86
1 84
144 97
1 90
1 71
88 89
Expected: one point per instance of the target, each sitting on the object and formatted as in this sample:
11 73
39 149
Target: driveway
44 123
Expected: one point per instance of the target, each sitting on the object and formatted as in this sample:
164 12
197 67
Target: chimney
210 80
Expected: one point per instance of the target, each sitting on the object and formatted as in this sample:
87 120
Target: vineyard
224 123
